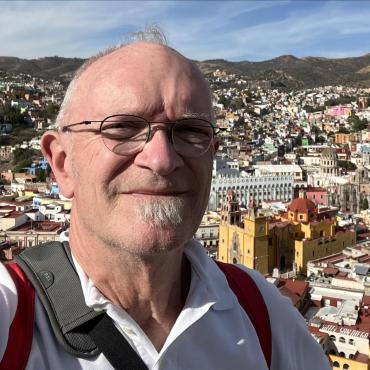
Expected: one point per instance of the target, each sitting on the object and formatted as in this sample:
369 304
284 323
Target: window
342 340
335 364
321 233
345 366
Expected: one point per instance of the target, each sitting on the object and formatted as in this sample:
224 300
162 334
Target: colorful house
287 242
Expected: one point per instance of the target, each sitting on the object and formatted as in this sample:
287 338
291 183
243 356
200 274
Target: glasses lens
124 134
192 137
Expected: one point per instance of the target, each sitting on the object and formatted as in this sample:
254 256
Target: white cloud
316 32
70 28
201 30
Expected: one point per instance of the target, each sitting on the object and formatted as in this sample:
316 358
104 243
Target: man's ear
53 149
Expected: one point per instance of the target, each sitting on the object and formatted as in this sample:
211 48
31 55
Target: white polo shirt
211 332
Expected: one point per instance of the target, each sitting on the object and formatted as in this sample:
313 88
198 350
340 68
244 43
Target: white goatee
162 212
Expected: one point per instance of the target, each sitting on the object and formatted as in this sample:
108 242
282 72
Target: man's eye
194 130
121 131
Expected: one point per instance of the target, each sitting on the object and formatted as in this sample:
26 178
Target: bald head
143 79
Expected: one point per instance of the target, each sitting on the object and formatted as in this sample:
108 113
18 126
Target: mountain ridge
285 70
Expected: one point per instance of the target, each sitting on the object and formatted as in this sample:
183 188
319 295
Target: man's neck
152 290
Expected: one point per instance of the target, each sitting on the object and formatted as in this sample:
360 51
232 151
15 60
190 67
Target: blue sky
232 30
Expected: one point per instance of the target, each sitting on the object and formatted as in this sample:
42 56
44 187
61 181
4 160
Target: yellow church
292 239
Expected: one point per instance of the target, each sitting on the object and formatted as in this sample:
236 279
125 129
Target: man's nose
159 154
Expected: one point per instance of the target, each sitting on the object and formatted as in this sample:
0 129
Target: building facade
285 242
249 188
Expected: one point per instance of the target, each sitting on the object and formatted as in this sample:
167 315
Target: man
134 152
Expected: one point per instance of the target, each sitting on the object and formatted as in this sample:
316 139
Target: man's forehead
143 76
143 56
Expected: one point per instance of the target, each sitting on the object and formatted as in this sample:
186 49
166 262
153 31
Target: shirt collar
208 285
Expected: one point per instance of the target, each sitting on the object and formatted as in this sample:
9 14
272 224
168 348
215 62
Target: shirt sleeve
293 347
8 306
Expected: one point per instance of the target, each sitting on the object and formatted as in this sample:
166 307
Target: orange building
286 242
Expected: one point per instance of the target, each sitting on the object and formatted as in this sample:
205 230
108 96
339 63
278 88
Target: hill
49 67
286 70
295 72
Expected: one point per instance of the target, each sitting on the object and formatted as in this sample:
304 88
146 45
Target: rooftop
39 226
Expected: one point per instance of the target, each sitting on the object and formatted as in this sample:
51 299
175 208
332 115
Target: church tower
243 243
230 210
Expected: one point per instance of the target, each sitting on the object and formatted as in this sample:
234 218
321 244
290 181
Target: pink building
339 111
318 195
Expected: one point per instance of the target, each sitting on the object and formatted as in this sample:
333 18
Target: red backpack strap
244 288
21 329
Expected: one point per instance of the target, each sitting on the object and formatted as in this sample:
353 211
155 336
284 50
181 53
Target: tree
347 165
343 130
52 110
309 108
357 123
222 99
320 139
315 130
364 204
343 99
236 104
40 175
11 114
24 158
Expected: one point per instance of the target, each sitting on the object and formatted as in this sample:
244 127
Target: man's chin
163 213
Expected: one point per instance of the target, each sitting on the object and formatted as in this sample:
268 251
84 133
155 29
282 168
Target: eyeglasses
125 134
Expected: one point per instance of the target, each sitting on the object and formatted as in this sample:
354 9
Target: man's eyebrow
196 115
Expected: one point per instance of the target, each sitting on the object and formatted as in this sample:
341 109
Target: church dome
330 154
302 205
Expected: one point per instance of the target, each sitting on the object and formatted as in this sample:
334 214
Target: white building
248 188
279 170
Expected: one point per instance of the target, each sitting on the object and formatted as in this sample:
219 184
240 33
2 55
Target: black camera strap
114 345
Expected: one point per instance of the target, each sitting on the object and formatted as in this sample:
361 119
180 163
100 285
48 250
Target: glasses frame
153 128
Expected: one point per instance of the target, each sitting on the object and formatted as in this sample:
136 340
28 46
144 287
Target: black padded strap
114 345
50 269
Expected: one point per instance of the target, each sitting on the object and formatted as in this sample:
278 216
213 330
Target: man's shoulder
8 305
269 291
8 291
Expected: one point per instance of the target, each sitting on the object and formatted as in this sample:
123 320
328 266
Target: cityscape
289 196
290 190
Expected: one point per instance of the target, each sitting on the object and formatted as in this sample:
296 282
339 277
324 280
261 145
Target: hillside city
289 196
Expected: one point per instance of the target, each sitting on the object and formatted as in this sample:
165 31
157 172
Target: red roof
297 287
279 224
330 271
302 205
